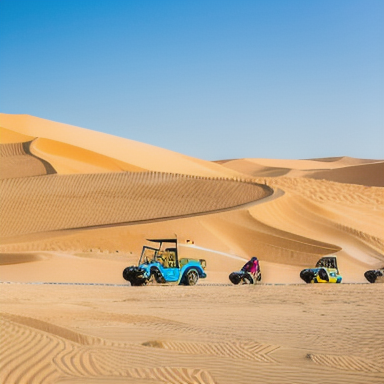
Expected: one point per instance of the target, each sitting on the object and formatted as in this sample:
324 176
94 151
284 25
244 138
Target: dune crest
136 154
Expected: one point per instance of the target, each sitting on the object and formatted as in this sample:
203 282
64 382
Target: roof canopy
163 240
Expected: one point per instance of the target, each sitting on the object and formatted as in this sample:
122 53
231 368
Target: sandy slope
76 207
79 201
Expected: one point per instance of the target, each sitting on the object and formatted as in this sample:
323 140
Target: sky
212 79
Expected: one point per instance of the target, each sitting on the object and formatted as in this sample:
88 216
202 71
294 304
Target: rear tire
307 275
247 279
371 276
191 277
158 276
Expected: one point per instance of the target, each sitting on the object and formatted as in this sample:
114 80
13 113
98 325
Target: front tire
323 275
235 278
135 276
191 277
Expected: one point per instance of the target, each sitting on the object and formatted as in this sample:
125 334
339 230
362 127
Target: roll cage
327 262
167 256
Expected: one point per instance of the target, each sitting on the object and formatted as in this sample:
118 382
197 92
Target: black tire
191 277
158 276
323 274
307 275
235 278
126 273
371 276
247 279
134 276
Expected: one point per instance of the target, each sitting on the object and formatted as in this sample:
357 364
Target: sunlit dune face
69 159
8 136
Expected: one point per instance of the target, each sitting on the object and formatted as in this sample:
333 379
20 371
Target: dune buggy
326 271
161 263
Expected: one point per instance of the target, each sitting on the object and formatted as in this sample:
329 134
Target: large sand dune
69 147
76 207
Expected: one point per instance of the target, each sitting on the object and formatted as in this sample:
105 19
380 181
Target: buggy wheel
151 280
235 278
159 278
192 277
247 279
307 275
371 276
126 273
323 274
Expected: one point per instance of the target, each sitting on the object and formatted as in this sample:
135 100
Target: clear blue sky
213 79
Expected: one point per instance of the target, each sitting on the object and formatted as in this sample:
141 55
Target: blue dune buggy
161 263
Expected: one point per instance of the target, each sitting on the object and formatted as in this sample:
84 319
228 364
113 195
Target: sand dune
342 170
364 174
76 208
136 155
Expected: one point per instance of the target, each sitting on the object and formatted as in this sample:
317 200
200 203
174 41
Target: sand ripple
53 202
346 362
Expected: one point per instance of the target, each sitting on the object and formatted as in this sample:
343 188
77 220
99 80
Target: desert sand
76 207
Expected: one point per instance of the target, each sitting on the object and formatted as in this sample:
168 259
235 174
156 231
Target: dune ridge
342 170
137 155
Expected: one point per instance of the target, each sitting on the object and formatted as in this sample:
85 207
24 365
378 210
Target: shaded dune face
16 160
53 202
